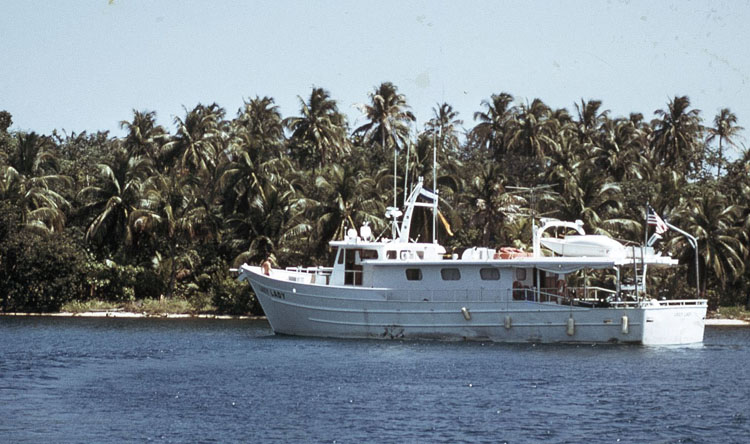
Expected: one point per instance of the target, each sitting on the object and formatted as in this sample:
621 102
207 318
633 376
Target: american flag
654 219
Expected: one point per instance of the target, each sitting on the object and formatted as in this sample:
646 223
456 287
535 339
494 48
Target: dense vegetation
166 214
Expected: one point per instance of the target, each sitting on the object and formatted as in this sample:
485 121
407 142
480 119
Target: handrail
310 270
682 302
693 243
540 295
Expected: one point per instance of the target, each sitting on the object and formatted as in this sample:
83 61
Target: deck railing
681 302
309 275
549 295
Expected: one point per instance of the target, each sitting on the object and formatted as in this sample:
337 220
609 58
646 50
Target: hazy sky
85 65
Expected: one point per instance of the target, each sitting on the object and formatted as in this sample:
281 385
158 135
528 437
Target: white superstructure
394 288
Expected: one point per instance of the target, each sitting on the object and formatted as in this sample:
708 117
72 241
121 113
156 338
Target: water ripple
79 380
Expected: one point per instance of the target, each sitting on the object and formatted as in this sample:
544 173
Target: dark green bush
233 297
40 273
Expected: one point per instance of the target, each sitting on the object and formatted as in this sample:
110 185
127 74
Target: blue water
145 380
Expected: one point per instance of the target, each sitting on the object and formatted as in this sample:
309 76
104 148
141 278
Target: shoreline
727 323
126 314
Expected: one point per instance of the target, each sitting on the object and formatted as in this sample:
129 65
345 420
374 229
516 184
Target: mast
392 212
395 174
408 160
434 185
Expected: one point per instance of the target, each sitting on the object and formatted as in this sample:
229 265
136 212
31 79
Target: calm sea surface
145 380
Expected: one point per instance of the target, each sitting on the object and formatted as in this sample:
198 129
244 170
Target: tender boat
585 245
397 288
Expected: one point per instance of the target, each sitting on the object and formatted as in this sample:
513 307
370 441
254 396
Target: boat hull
303 309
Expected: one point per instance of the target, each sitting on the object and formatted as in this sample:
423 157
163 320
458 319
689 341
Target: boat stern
676 322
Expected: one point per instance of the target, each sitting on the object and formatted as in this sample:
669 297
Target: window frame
494 274
450 274
410 276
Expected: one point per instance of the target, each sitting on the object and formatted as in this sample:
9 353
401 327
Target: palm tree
6 119
590 120
346 198
388 126
259 129
388 118
45 210
677 135
245 174
491 132
144 136
319 134
116 193
179 214
530 134
12 186
444 126
715 223
33 155
195 146
725 129
271 224
490 204
622 151
32 182
585 191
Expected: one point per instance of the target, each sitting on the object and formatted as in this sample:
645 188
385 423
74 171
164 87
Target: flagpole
645 230
645 242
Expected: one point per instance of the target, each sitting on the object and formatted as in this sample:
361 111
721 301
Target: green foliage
160 215
113 282
733 312
233 297
161 306
91 305
39 272
215 289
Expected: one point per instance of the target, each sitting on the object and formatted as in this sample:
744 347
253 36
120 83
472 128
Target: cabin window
368 254
520 274
350 256
352 270
420 254
341 256
413 274
489 274
390 254
450 274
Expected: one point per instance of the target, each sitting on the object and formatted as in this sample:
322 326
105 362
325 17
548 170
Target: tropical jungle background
163 213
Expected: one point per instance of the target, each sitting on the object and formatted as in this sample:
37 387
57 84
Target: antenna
395 173
533 191
408 160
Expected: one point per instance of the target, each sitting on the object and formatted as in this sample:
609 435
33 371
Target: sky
85 65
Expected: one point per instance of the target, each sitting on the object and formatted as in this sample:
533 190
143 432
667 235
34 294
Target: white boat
396 288
593 245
